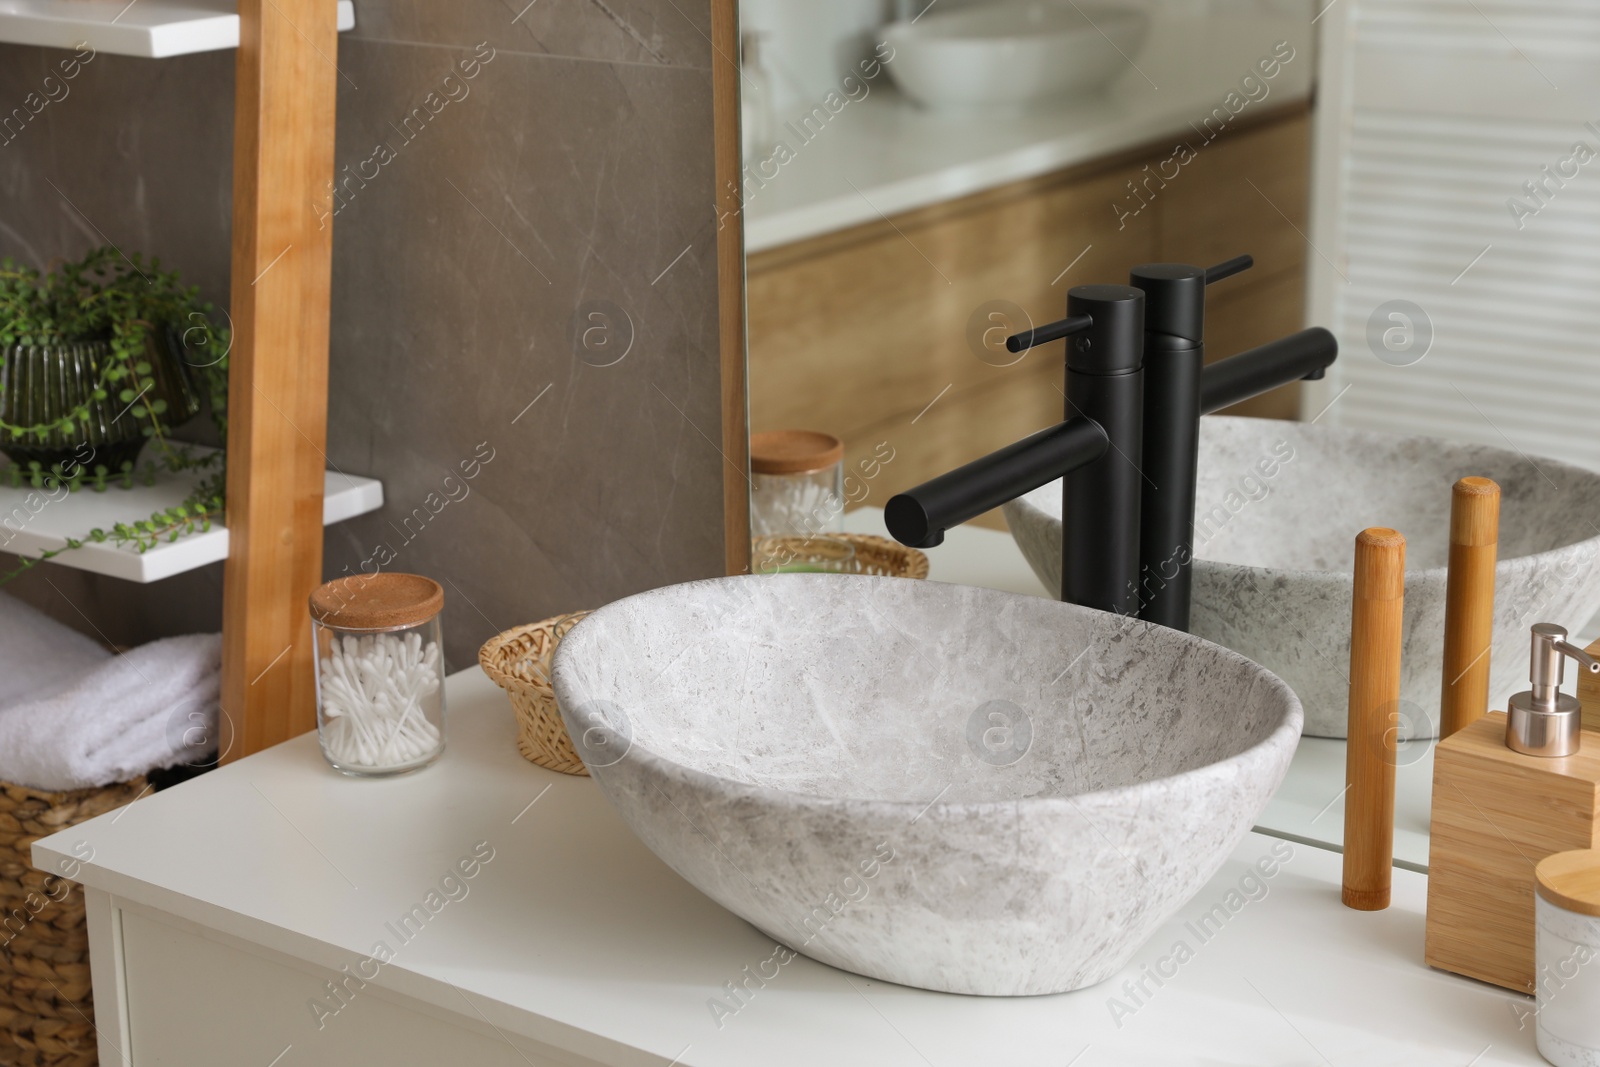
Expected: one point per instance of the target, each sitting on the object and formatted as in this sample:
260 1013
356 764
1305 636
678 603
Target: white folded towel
37 653
120 717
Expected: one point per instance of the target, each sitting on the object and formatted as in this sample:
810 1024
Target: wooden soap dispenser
1509 790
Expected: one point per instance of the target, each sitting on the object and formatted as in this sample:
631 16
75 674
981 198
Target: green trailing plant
132 306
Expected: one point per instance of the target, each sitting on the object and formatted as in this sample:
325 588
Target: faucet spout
919 517
1306 354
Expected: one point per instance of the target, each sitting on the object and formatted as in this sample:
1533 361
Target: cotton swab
373 689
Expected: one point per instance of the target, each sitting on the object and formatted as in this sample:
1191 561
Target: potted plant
98 359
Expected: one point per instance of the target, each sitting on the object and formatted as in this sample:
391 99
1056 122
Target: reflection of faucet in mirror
1136 386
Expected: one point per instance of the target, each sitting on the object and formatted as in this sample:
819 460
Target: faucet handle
1228 268
1175 304
1055 331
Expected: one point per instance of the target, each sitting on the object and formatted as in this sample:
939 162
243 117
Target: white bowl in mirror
1013 53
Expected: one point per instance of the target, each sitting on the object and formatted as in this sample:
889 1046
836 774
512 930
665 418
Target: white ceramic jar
1567 911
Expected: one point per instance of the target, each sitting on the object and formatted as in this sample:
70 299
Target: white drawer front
195 1002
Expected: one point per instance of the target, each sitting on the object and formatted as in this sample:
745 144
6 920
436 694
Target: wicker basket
518 661
874 555
46 1013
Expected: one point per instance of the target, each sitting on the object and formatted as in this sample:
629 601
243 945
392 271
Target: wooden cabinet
867 333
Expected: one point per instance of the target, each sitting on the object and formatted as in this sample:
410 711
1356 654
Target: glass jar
797 483
380 672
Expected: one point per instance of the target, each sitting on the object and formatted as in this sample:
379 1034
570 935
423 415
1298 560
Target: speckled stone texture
947 787
1278 509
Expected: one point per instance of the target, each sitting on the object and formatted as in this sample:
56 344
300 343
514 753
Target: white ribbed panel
1551 27
1516 352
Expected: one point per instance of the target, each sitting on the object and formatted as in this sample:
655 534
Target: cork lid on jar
1571 881
794 451
377 601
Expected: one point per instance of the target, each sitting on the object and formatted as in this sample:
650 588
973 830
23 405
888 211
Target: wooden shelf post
283 137
725 49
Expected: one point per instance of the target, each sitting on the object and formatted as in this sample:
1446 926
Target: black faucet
1097 449
1127 453
1174 351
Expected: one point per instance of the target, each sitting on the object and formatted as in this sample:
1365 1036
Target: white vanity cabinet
524 924
198 998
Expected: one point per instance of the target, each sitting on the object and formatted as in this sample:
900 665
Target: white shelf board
35 520
154 29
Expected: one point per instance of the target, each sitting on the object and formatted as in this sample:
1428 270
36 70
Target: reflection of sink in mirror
947 787
1014 52
810 47
1278 507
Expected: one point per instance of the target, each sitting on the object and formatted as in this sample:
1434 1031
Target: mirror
922 179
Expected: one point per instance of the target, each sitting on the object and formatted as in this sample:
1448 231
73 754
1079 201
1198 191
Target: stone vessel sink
1278 508
937 785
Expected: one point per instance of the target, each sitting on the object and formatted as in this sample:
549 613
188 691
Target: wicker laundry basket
46 1011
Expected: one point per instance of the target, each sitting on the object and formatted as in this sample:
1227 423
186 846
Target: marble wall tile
470 254
549 190
137 153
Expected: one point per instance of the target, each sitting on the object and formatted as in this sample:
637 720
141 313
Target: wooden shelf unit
278 492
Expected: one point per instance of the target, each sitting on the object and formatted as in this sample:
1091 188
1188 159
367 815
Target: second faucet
1128 450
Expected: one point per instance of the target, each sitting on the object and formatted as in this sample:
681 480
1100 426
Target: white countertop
884 155
1309 806
576 941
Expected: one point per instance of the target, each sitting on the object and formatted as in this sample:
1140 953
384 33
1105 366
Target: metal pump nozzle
1543 721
